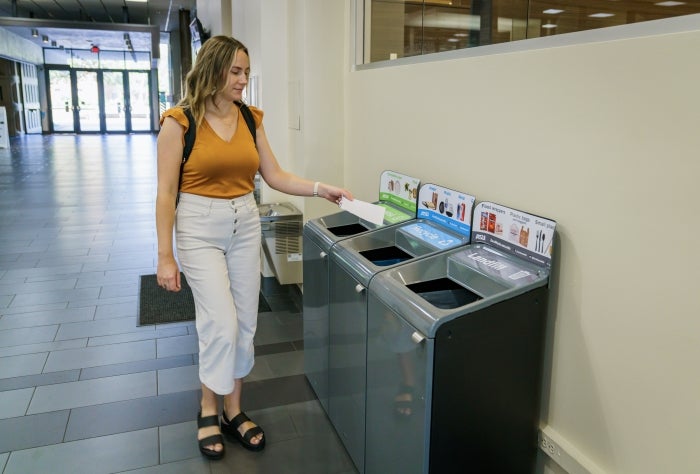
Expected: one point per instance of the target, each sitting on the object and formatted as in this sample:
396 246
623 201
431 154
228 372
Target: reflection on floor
82 388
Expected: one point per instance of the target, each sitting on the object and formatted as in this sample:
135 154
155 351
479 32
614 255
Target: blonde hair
207 73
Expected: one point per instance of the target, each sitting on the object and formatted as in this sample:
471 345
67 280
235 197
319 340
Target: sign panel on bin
447 207
399 189
524 235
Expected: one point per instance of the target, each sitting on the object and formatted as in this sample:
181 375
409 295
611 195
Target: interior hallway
82 387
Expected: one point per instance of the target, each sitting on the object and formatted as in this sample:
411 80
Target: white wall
603 138
294 54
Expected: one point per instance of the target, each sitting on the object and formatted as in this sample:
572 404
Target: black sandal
230 427
204 422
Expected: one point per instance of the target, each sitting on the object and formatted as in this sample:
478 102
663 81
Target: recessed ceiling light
549 25
460 35
601 15
137 1
669 4
452 40
552 11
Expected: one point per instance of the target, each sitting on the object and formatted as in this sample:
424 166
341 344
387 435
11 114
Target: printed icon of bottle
484 221
492 223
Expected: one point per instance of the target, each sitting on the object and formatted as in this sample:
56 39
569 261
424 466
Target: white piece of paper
364 210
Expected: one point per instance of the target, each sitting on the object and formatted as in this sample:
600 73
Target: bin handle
359 288
417 337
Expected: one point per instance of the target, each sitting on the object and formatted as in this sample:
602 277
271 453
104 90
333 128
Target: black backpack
191 135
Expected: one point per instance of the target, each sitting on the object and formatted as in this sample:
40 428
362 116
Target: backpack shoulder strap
249 119
190 135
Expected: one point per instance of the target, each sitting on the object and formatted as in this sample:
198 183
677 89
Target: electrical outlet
549 447
565 454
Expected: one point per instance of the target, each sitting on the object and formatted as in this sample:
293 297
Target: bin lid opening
385 256
444 293
347 230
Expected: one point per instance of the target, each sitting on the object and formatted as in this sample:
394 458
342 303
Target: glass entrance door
61 94
89 100
115 116
88 105
139 101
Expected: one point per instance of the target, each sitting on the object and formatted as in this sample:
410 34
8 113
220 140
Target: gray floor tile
5 300
195 465
117 310
290 363
48 297
39 379
79 303
15 402
131 415
100 355
34 308
155 333
93 392
22 433
134 367
106 454
114 291
20 365
178 379
38 287
15 337
46 316
43 347
178 442
178 345
103 327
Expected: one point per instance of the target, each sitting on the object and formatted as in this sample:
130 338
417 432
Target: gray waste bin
281 225
354 262
320 235
454 352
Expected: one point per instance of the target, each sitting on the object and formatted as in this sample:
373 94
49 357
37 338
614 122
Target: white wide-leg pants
218 245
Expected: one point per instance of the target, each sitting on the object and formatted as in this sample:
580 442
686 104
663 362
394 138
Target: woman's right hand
168 276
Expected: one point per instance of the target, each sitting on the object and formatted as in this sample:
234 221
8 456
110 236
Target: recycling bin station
354 262
455 351
281 225
398 197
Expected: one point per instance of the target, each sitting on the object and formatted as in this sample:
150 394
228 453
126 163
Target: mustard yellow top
217 168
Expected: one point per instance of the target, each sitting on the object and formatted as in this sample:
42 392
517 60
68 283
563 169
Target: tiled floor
82 387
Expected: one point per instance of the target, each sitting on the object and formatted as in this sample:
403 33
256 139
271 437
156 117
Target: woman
217 228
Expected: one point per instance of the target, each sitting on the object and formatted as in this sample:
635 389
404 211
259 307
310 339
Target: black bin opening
346 230
443 293
385 256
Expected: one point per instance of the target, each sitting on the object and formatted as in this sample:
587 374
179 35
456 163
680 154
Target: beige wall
603 138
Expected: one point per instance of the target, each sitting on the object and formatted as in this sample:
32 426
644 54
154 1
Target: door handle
359 288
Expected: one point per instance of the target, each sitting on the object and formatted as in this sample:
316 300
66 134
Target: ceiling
80 24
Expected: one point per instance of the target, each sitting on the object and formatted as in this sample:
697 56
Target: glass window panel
403 28
84 59
57 56
112 59
138 60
